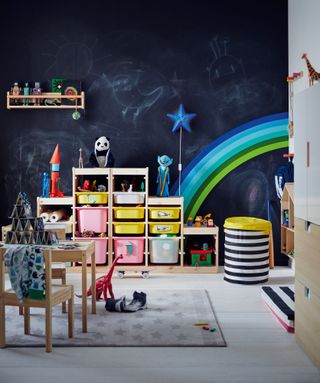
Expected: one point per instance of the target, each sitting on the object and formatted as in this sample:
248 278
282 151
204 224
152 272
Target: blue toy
181 122
45 185
163 179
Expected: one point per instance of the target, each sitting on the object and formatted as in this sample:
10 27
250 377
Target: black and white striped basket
246 260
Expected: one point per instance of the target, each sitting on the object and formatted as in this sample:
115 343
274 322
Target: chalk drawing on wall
226 153
72 59
134 87
223 66
30 156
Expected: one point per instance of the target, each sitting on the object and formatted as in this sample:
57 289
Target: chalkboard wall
137 60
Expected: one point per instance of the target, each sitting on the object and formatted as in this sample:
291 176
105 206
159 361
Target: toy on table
55 174
163 178
312 73
15 91
102 156
204 221
189 221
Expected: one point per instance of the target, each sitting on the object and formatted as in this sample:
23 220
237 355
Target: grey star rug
172 318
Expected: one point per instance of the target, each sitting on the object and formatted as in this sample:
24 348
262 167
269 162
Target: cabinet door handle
308 154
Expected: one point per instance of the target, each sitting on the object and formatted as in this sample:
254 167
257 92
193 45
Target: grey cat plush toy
102 156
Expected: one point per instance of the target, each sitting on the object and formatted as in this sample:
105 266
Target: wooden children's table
80 253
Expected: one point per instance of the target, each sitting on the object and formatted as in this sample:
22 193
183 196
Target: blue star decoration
181 119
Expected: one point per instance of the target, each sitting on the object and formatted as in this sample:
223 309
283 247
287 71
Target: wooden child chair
54 295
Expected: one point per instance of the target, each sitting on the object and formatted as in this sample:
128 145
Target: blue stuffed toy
163 178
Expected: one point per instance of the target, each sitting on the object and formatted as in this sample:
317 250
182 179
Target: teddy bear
102 156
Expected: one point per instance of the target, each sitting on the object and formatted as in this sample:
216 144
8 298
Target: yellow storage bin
159 212
128 213
164 227
128 227
92 197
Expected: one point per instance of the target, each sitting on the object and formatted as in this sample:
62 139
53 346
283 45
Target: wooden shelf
287 227
48 95
55 201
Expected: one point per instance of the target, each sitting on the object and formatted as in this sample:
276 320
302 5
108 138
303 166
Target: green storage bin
201 257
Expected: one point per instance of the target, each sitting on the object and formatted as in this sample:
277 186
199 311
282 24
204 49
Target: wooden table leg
48 315
93 283
84 293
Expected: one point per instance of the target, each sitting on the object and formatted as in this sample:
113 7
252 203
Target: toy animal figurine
80 159
104 283
163 179
102 156
312 73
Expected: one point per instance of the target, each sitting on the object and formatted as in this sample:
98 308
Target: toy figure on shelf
15 91
125 185
312 73
45 185
163 179
26 92
80 158
55 174
37 91
102 156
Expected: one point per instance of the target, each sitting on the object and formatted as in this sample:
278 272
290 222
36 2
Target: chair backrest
61 233
47 254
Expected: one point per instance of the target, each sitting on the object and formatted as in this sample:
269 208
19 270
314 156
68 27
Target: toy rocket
55 173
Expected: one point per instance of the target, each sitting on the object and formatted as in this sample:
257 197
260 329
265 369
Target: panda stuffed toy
102 156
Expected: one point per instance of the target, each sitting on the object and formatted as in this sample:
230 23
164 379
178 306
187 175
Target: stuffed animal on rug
102 156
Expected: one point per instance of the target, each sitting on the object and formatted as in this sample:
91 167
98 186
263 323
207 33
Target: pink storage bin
131 248
100 246
93 219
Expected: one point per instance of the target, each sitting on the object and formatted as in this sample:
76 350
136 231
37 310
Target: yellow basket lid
247 223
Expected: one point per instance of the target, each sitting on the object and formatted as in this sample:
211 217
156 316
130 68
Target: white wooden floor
259 349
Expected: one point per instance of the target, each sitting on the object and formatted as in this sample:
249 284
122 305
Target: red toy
103 284
55 174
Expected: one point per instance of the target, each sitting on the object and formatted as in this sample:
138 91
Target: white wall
304 37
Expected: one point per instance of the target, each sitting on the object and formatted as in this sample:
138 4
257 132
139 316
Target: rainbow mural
228 152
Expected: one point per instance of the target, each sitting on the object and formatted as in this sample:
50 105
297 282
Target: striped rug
246 258
280 300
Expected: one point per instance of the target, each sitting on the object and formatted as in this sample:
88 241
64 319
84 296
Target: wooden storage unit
168 223
102 210
56 203
287 220
128 222
131 221
205 231
80 104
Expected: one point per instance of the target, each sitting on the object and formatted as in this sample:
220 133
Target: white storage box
164 250
129 198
